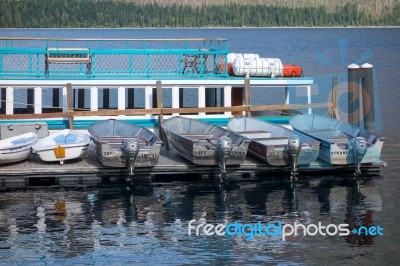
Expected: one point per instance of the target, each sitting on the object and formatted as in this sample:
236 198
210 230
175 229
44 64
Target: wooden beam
164 111
70 102
247 94
160 104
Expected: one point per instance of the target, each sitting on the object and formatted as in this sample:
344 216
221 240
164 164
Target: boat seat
323 133
273 138
198 136
274 141
253 131
371 140
339 139
255 134
322 130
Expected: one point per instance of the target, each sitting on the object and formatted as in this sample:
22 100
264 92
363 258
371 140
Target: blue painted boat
341 143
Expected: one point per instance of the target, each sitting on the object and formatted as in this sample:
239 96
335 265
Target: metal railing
67 58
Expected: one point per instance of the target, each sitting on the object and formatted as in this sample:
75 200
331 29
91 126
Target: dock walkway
169 164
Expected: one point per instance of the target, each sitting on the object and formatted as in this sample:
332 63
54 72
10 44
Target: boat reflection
65 222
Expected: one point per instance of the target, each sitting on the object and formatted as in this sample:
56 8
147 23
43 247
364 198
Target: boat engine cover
294 145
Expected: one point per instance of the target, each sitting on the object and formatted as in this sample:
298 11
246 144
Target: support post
160 105
94 99
247 95
37 100
175 98
148 101
202 98
121 98
237 98
334 111
9 101
70 102
228 98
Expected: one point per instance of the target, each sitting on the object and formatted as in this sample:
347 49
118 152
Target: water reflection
143 222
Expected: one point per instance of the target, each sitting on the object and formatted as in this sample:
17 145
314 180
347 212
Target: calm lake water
147 223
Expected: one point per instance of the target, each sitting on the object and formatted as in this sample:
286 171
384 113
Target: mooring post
361 95
160 105
247 95
368 97
70 106
334 109
353 100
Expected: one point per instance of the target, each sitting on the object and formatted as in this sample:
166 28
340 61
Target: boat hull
279 156
16 148
202 152
112 155
73 144
337 139
269 142
109 136
197 141
49 155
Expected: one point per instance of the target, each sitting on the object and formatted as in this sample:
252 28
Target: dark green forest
85 13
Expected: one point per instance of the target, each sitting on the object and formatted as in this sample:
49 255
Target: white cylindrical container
233 56
258 67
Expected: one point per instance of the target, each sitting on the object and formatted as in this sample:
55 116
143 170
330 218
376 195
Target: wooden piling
70 106
237 99
160 105
353 88
334 112
247 95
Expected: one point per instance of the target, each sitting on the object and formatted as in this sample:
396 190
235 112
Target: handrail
112 39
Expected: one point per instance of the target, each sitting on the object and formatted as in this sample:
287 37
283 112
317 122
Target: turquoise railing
38 58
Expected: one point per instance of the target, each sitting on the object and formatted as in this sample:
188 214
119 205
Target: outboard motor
294 146
360 147
131 150
224 149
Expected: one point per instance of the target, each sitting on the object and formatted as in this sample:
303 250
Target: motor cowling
360 148
294 146
131 150
224 149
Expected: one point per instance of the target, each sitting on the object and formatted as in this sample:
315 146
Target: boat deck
169 164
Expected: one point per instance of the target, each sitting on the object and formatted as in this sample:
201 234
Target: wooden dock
170 164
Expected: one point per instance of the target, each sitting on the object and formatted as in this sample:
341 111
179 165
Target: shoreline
202 28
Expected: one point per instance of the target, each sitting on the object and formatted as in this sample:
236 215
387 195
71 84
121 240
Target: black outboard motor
224 149
131 150
360 147
294 146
